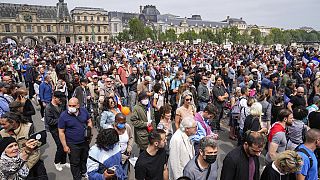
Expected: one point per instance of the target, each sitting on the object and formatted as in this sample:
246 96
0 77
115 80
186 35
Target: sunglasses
189 99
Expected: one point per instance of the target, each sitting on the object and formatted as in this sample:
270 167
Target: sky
287 14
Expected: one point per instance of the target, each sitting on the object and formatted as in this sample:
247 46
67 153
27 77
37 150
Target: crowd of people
180 97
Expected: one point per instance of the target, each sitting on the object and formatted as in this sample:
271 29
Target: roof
190 22
233 20
8 10
89 10
150 10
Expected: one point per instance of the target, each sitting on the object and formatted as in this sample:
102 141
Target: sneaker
67 165
58 166
42 119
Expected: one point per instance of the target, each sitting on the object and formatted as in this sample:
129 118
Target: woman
166 124
28 109
118 84
12 161
187 108
109 113
284 167
158 101
125 139
105 157
233 120
253 121
266 110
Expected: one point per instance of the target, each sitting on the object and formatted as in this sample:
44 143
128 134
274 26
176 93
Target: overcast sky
275 13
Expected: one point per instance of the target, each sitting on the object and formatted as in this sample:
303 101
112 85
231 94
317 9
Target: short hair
312 135
211 109
283 113
207 142
187 122
165 109
157 87
300 112
107 137
254 137
155 136
250 101
256 109
244 90
289 160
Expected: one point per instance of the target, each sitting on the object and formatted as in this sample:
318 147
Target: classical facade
239 23
90 24
265 30
32 24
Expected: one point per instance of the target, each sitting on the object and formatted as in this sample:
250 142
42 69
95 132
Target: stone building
239 23
90 24
33 24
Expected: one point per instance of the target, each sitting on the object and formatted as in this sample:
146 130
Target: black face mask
210 159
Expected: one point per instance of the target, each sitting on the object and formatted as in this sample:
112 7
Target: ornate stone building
33 24
239 23
90 24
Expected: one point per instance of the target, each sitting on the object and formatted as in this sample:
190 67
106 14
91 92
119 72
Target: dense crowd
176 98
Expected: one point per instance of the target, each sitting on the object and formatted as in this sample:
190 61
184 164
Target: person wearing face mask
152 163
125 139
52 114
181 147
141 121
277 135
243 161
71 129
203 166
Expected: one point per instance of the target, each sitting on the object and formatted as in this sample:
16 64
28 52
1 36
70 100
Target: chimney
141 9
241 18
228 17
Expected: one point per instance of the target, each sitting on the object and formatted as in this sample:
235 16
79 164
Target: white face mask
145 102
26 96
72 110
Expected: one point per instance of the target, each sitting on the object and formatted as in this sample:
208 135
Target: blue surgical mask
121 126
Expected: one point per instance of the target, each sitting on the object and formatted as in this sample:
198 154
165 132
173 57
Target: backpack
264 111
298 149
236 110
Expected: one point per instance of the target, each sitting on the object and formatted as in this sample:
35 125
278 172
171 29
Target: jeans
60 156
132 99
202 105
78 159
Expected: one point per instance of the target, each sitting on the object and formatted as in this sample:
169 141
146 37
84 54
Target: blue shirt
309 173
4 105
74 129
45 92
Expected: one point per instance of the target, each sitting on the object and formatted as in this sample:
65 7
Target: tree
149 33
245 38
220 37
124 36
206 35
189 35
256 35
171 35
137 29
234 34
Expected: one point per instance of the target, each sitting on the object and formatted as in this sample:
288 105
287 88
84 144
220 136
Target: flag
287 58
305 58
118 102
315 61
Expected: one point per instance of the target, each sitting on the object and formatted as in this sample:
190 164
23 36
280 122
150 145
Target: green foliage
245 38
124 36
137 29
189 35
256 35
234 34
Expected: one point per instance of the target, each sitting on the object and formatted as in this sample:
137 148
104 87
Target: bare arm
289 106
62 137
300 177
177 121
273 150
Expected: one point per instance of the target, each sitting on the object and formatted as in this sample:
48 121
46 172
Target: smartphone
40 136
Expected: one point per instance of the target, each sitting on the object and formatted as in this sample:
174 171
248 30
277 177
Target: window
7 27
85 18
79 29
105 28
99 28
78 18
98 18
105 38
87 38
80 38
66 28
115 27
86 28
99 38
18 29
48 28
28 28
91 18
104 18
39 28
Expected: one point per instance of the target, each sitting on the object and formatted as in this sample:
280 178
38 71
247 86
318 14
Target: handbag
87 130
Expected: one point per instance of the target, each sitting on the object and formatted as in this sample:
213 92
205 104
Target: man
203 93
144 86
132 85
52 114
124 72
72 136
277 135
91 73
140 121
297 100
243 161
205 165
4 103
309 170
151 163
107 91
220 95
12 126
273 84
45 94
82 93
181 148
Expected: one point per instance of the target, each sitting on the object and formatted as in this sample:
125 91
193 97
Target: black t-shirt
251 123
297 101
150 167
314 120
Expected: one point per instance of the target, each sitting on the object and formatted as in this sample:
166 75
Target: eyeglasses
189 99
205 79
300 92
108 81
